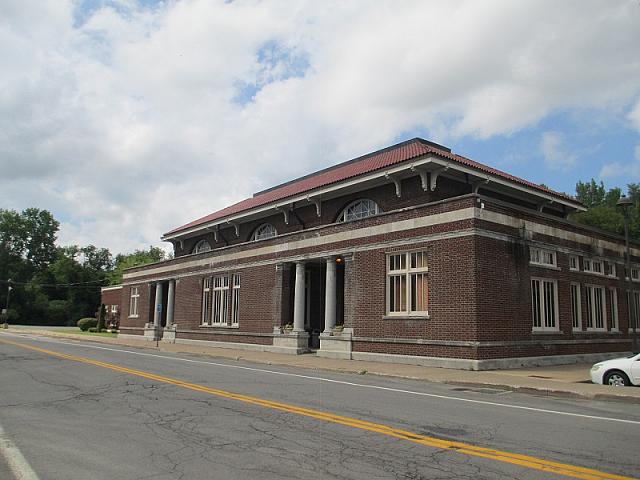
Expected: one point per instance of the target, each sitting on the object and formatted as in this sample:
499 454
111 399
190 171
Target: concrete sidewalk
563 380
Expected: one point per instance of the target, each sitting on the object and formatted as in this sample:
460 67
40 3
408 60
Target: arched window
359 209
266 230
202 246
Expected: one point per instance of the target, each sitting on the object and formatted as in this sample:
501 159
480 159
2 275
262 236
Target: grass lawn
101 334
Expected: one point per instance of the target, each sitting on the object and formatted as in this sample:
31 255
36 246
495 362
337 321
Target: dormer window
264 231
202 246
359 209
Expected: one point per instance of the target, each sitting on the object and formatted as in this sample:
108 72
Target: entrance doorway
315 288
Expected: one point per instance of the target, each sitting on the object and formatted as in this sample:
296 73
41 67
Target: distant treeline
51 284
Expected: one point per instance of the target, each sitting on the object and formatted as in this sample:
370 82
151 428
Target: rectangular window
114 308
630 312
540 256
573 263
576 307
407 284
635 274
610 269
586 265
612 299
235 301
206 301
133 303
220 300
544 304
594 297
596 266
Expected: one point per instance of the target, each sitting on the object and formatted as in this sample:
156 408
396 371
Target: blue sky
127 118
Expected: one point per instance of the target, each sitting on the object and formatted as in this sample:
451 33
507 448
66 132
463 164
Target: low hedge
85 324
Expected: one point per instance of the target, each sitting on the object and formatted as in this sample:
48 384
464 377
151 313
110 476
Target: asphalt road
83 411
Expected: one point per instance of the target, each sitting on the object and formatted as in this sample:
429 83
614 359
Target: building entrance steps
558 380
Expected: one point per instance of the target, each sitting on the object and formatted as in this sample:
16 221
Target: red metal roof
369 163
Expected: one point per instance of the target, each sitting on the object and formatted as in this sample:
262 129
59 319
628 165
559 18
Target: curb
531 390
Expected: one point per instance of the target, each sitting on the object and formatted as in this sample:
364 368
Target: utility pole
625 202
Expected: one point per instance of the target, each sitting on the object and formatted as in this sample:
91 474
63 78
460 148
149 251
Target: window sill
596 330
596 274
547 332
134 316
406 317
218 326
544 265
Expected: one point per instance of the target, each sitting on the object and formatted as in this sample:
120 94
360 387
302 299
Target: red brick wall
479 286
133 325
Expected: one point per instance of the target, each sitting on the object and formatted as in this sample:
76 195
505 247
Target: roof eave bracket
235 226
317 202
397 182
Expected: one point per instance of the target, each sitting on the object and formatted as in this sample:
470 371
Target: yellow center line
459 447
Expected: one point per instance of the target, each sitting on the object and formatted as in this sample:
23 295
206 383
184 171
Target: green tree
135 259
27 245
602 211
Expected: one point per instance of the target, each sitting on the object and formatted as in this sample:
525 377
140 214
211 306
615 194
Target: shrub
93 330
85 324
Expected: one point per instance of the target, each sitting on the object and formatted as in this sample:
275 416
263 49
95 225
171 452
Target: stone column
170 302
157 310
330 296
298 299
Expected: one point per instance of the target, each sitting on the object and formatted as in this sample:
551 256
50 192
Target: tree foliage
602 211
54 285
135 259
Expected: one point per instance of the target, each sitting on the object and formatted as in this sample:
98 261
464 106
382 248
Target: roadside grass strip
525 461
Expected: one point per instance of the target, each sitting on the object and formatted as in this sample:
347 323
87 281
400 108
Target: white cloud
634 116
630 172
138 119
556 156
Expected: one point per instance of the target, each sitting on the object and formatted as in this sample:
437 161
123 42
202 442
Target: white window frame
575 296
349 215
134 299
543 257
235 300
202 246
635 274
612 299
574 263
592 308
541 305
263 232
593 266
611 266
401 272
630 321
220 302
114 308
206 301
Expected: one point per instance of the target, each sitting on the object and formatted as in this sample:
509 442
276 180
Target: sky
128 118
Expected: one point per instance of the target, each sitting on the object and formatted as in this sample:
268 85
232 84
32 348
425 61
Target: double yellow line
459 447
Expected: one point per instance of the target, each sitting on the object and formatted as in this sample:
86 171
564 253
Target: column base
169 334
294 343
150 332
336 344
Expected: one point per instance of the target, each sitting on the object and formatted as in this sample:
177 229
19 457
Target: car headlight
596 367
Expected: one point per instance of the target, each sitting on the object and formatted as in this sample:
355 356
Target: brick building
112 300
410 254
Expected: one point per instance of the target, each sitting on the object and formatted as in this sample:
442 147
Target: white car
618 372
